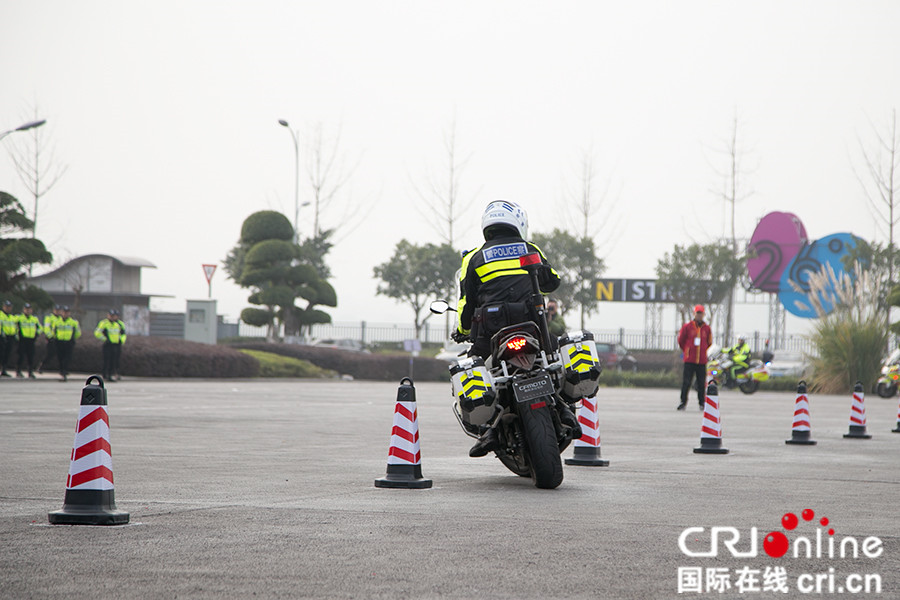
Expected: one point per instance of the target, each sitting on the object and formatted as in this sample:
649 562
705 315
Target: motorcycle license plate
526 390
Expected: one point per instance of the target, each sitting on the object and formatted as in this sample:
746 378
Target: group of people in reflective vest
60 329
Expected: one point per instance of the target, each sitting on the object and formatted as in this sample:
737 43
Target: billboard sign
638 290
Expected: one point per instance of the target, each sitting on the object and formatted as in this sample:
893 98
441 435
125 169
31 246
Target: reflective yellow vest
67 329
9 324
50 325
490 262
116 331
29 327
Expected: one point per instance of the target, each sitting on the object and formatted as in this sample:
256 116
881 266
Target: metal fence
371 333
645 340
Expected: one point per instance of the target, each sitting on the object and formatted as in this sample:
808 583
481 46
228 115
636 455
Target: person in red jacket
694 339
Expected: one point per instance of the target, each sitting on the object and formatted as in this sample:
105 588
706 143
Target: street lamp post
294 137
24 127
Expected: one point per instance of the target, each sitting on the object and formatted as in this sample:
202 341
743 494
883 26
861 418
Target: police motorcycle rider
494 290
739 355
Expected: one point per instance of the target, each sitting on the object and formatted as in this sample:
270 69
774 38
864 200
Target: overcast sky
165 117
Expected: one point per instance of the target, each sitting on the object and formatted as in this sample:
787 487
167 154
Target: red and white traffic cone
801 431
711 430
90 495
858 414
404 468
587 447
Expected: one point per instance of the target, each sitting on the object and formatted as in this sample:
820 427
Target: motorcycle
719 366
889 381
520 386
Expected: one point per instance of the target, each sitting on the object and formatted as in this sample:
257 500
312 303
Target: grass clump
275 365
851 333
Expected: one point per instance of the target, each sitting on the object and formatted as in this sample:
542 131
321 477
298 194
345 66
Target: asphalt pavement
265 489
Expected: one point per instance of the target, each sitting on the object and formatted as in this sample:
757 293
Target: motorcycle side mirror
439 307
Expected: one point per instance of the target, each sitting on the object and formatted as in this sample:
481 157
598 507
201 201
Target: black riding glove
545 275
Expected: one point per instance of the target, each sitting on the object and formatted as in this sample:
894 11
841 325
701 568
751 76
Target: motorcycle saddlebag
581 364
473 389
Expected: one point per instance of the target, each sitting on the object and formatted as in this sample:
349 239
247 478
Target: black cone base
403 476
585 456
89 507
858 432
710 446
801 438
898 428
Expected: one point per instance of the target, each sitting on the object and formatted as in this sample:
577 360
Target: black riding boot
486 443
567 417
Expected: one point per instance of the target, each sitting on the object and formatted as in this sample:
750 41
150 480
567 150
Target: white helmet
504 212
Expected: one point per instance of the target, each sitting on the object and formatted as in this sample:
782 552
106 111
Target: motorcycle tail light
516 344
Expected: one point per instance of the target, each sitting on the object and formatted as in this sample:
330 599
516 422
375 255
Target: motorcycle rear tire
886 391
749 386
543 449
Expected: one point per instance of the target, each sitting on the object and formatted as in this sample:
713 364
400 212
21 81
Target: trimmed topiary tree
278 273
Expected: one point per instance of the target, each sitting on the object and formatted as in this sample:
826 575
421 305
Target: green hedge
144 356
165 357
672 379
359 365
657 360
659 379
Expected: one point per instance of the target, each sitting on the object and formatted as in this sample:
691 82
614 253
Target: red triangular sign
208 270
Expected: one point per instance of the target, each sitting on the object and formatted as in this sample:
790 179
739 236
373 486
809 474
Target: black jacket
491 275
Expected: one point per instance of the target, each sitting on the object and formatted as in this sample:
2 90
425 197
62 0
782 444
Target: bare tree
36 165
881 181
441 194
328 176
585 202
732 192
